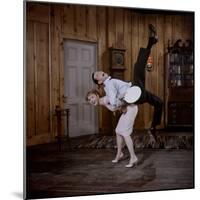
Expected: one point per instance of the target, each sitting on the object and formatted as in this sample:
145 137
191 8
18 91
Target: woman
124 127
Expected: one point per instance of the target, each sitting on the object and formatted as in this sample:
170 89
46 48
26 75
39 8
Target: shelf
179 88
180 64
190 74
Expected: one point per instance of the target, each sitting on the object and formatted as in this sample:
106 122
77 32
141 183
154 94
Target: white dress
126 120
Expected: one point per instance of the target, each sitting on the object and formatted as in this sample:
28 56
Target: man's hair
94 80
93 91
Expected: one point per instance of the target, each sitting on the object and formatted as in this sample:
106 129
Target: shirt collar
107 80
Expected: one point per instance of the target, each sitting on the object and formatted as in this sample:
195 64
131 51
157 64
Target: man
115 89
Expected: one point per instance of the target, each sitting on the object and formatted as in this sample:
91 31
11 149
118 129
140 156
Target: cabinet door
180 114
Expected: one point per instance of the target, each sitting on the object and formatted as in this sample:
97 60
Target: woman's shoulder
104 99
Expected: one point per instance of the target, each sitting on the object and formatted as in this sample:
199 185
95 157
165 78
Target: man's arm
111 108
105 102
122 109
111 93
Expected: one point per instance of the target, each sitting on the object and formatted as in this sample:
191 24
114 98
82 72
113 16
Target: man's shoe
152 31
152 136
153 38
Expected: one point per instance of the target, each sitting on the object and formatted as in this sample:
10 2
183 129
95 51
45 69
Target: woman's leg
119 148
133 157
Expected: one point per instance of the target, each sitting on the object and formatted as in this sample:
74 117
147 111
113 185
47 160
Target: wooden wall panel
55 61
142 43
188 24
42 79
177 27
168 35
182 27
134 41
38 75
91 22
151 77
80 20
128 44
101 36
103 62
68 18
30 82
111 27
159 61
38 12
134 54
119 18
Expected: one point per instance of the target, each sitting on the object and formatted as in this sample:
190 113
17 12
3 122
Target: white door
80 61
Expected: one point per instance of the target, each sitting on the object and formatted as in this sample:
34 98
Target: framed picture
82 137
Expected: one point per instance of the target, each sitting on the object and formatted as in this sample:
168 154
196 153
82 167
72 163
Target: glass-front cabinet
179 85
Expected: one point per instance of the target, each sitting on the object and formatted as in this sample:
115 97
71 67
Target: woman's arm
104 101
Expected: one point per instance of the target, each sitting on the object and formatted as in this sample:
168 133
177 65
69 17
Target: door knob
64 98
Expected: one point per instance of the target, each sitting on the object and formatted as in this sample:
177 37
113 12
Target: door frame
62 67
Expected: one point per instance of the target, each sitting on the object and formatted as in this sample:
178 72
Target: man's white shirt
115 90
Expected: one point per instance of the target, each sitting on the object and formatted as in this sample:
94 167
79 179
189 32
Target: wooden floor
51 173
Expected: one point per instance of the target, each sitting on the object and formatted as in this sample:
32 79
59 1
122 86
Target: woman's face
93 99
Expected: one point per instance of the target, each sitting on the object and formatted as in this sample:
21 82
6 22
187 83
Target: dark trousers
146 96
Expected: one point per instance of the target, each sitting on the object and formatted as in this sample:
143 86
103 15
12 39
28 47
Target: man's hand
123 109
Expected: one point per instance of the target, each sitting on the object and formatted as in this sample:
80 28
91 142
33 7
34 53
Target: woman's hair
93 91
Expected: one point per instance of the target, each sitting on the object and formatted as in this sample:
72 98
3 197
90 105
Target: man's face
93 99
100 76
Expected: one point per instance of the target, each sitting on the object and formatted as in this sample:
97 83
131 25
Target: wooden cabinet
180 113
179 85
